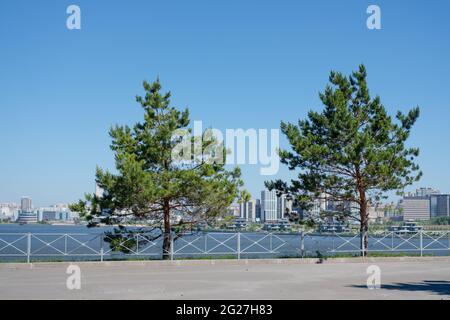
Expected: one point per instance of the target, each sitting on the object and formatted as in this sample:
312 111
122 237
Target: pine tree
352 152
151 184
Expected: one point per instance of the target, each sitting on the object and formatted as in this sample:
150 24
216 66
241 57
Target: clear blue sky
234 63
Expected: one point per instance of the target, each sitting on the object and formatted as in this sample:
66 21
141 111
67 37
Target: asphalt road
427 279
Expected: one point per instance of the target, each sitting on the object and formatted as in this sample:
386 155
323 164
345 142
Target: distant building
281 206
440 205
27 217
4 212
424 204
26 204
425 192
416 208
233 210
248 210
393 211
376 213
9 211
258 210
55 213
269 211
316 207
26 214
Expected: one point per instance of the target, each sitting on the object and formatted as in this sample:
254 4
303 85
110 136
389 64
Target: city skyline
424 204
66 88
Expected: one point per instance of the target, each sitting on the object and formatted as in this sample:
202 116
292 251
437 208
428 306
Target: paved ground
282 279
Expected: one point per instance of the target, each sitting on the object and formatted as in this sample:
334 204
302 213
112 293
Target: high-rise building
269 211
26 214
440 205
416 208
248 210
281 206
258 210
26 204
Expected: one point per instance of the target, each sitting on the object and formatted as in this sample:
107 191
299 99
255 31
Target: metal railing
420 243
238 244
64 246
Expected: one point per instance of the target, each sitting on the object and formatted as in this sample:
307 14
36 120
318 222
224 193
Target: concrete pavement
401 278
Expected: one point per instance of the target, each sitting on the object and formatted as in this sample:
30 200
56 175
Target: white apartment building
248 210
269 206
281 206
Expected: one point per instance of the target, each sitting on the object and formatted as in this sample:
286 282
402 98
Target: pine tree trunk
364 236
167 232
364 230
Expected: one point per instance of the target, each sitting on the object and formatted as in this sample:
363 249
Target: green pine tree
352 152
150 184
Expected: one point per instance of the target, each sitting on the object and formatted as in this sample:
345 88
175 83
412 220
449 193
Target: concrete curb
187 263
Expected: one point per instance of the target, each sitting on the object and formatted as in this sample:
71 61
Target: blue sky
235 64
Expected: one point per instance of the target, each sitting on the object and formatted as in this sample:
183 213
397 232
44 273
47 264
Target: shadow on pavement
436 287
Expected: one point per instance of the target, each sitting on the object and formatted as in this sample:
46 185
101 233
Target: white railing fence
69 247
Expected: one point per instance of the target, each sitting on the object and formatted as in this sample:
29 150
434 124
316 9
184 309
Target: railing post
421 242
333 242
302 243
239 245
29 248
171 246
362 243
392 241
137 244
65 244
270 242
101 247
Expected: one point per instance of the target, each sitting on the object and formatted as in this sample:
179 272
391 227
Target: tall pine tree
152 185
352 152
